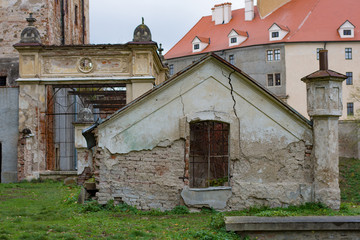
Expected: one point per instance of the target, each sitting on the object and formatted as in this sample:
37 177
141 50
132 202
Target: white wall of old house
270 163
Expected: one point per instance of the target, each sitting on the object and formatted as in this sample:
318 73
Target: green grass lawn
49 210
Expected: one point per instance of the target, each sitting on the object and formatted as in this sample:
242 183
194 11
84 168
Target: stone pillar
324 106
84 155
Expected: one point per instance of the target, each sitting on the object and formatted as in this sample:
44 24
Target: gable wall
270 155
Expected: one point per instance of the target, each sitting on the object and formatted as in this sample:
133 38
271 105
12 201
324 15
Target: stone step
58 175
309 227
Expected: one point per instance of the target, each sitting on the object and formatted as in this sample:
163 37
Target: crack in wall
182 101
232 91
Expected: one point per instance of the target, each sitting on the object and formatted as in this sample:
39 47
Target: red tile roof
240 33
202 39
308 20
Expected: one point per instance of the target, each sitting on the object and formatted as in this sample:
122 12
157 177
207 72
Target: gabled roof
347 21
190 67
282 27
202 39
308 21
240 33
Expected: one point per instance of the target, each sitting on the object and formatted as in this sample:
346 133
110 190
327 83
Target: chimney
323 60
249 10
221 13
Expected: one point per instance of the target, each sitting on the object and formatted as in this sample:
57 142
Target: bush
91 206
217 221
179 210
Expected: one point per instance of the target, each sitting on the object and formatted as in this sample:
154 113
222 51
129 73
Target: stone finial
31 20
142 33
85 115
30 34
160 49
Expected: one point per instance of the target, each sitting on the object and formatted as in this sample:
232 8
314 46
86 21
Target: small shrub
124 207
91 206
152 212
274 213
179 210
72 198
217 221
4 237
208 210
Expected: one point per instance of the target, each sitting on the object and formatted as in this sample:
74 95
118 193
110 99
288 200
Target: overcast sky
114 21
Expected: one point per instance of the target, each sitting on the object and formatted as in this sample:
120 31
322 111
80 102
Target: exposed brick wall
154 179
13 14
146 179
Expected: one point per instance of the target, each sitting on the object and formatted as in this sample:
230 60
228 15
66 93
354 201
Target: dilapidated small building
212 136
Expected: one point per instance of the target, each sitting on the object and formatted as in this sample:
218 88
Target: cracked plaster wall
270 154
32 149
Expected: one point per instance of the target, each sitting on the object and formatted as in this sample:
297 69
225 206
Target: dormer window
346 30
200 43
236 37
277 32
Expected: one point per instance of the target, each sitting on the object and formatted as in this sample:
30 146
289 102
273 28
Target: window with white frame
318 53
277 79
349 80
275 34
233 40
270 80
277 54
350 109
270 55
274 79
273 55
209 154
348 53
347 32
231 59
196 46
171 69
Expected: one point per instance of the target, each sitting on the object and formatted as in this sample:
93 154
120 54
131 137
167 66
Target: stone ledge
276 224
46 173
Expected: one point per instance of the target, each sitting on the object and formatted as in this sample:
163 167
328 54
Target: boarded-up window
209 154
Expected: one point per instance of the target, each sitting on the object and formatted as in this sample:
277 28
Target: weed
91 206
274 213
217 221
137 233
126 208
207 210
179 210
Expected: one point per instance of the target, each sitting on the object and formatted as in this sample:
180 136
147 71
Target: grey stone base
8 177
309 228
